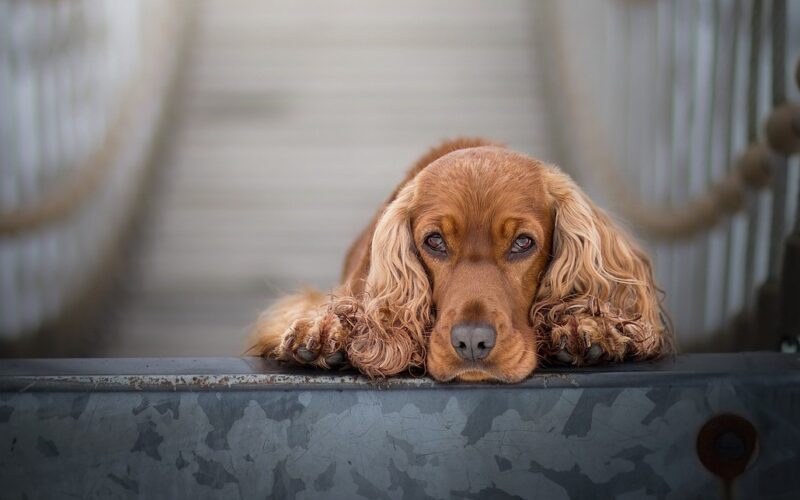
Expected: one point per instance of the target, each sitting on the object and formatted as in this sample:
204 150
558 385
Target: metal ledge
199 374
248 428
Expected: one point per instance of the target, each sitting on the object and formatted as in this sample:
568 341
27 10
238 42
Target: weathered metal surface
168 428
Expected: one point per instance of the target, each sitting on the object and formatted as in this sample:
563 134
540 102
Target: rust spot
726 445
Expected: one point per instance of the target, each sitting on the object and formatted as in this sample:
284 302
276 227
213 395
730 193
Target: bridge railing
683 117
83 86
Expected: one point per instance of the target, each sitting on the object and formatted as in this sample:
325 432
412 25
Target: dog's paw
317 340
584 341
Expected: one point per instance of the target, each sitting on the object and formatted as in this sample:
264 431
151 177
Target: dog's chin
476 374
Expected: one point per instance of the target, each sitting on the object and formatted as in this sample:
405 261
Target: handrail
751 171
68 195
82 139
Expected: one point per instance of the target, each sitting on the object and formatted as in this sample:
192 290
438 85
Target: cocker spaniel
482 264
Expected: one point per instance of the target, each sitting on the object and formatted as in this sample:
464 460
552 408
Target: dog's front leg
306 328
588 332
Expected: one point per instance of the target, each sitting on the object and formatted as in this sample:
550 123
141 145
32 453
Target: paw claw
594 353
564 356
335 359
305 354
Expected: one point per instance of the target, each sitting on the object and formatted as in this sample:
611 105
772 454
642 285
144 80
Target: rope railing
84 87
753 170
67 196
676 116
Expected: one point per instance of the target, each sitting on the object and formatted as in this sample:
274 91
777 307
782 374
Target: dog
483 264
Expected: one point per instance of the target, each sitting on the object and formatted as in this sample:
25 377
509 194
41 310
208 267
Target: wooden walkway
297 119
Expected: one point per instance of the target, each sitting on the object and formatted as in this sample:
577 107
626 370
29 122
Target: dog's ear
389 336
598 282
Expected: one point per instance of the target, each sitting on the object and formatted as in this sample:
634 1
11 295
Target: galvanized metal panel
229 427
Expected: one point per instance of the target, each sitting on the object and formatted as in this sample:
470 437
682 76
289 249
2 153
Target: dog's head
483 254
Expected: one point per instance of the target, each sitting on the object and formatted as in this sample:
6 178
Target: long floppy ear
599 285
395 315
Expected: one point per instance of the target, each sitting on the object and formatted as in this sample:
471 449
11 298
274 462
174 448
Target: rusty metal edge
223 374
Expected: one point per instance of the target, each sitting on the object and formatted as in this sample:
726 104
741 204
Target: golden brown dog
482 262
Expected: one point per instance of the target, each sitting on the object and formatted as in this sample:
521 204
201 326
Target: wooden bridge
293 124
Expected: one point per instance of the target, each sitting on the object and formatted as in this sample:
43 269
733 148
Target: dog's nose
473 341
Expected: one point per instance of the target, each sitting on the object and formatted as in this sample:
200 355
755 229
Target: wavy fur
598 283
388 335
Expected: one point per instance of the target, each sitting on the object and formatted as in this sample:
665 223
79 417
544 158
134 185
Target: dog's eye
522 244
436 243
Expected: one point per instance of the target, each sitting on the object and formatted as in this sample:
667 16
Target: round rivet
726 445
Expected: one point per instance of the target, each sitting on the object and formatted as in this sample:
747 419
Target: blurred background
169 168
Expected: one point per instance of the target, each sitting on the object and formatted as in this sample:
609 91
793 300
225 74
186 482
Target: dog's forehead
484 178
